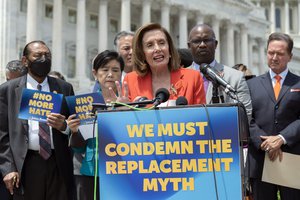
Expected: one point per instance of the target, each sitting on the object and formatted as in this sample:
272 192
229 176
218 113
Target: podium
174 153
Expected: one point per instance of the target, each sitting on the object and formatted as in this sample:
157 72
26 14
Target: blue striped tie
44 137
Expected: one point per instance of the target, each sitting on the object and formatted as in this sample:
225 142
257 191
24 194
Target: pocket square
295 90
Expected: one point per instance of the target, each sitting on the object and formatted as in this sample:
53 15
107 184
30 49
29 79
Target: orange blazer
184 82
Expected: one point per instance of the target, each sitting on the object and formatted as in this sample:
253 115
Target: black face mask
40 67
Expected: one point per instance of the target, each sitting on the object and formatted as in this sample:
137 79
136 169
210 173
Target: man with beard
30 169
202 43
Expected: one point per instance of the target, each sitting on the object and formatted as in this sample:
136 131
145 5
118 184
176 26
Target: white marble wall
74 45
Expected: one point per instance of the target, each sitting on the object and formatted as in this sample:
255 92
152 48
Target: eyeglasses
199 41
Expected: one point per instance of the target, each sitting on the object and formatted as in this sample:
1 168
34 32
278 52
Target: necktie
206 82
44 137
277 86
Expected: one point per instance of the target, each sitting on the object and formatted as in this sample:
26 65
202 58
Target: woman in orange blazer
157 65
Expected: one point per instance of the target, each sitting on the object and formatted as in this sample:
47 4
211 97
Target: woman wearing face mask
157 65
107 69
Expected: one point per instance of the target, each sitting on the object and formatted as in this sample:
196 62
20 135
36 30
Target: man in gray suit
28 172
202 43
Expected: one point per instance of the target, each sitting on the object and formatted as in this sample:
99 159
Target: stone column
286 17
200 18
237 46
146 12
250 52
57 40
32 20
258 3
8 34
102 26
81 57
230 44
3 38
298 17
216 28
183 28
272 16
125 16
165 16
262 55
244 45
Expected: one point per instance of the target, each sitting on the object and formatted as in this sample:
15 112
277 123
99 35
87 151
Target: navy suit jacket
271 117
14 131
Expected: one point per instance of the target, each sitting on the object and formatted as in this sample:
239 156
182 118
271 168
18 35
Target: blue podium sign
174 154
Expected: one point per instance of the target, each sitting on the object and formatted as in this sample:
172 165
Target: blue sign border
223 123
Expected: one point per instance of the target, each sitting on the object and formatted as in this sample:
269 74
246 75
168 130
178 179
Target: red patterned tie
277 86
44 137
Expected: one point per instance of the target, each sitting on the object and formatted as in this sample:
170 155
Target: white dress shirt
33 126
283 76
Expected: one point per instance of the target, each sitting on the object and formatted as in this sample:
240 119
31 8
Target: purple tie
206 82
44 137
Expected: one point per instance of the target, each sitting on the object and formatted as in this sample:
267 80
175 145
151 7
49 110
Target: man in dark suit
275 123
26 173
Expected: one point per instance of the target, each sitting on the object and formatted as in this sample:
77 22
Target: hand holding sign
81 105
37 105
73 123
57 121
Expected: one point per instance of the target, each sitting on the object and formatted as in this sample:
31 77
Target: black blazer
271 117
14 131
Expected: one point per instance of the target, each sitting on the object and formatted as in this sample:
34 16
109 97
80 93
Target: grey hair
120 35
16 66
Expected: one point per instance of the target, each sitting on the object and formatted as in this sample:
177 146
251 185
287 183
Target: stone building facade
76 30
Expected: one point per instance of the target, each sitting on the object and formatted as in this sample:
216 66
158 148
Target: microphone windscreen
181 101
163 94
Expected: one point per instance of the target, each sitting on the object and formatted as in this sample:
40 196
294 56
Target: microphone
181 101
99 106
211 75
161 95
140 101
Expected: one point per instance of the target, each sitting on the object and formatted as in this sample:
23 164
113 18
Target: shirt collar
32 83
282 74
197 67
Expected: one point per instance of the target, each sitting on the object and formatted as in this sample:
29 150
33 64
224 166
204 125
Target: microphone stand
215 93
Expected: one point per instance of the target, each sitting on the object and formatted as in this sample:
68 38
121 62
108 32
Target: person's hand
271 143
273 154
11 180
57 121
122 92
73 123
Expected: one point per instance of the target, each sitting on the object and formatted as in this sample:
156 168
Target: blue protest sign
36 105
81 105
